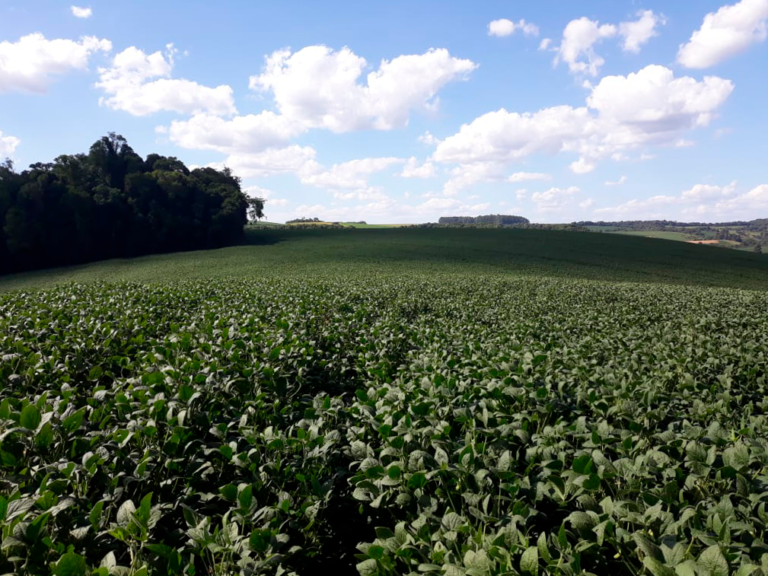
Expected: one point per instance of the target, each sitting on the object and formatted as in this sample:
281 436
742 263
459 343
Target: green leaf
648 547
125 513
71 564
95 515
529 563
95 373
541 544
229 492
713 561
144 508
657 568
73 422
45 436
30 417
245 498
737 456
5 409
368 567
417 480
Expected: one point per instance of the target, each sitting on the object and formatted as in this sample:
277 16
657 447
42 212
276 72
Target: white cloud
586 203
545 43
130 88
7 145
698 201
270 162
623 113
347 175
582 166
618 182
637 33
413 170
319 88
504 27
636 209
577 47
553 199
701 192
268 195
428 139
730 30
467 175
521 193
745 205
78 12
528 176
29 64
247 134
580 36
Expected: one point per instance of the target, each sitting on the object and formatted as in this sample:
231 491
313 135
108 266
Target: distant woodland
111 203
490 219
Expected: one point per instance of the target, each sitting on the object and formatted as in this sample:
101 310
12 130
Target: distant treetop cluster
111 203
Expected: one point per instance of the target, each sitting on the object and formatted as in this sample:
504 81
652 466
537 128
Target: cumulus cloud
730 30
582 35
268 195
577 46
271 162
638 32
351 175
428 139
467 175
623 113
744 205
553 199
702 192
29 64
505 27
618 182
247 134
697 201
639 208
582 166
545 44
528 176
79 12
140 84
7 145
319 87
412 169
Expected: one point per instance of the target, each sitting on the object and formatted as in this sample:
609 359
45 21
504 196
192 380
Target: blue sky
408 111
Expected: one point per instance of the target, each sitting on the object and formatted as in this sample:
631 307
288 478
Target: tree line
111 203
489 219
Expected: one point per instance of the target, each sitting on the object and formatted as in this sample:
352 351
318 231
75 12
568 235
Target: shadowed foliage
112 203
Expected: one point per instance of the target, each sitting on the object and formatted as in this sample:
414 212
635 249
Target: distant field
373 226
664 235
291 252
346 224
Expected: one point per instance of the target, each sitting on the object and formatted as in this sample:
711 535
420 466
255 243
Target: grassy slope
283 252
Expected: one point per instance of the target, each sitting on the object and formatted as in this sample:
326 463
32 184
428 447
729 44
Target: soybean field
379 414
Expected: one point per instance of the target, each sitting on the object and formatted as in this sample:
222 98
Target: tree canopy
111 203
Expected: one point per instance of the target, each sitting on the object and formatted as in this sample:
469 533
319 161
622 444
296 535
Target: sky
402 112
